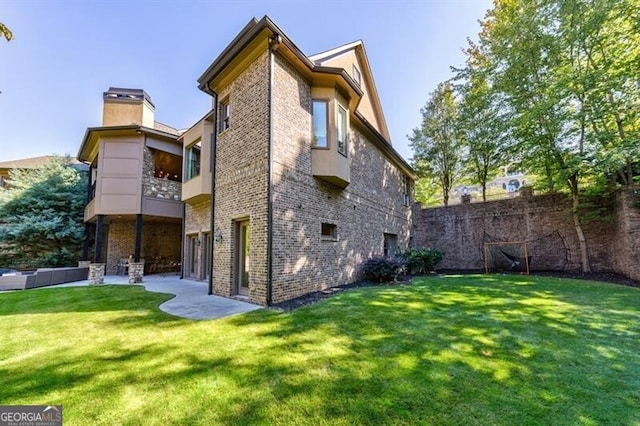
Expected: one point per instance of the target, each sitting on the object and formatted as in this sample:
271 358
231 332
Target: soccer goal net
506 256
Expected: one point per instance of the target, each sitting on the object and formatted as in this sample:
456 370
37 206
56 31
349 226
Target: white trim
335 51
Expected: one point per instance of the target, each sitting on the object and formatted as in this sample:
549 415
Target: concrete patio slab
191 299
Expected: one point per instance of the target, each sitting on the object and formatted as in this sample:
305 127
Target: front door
242 267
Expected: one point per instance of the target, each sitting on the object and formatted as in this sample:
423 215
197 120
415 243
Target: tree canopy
555 86
41 216
436 143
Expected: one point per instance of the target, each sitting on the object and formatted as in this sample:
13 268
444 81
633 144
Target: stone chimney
123 107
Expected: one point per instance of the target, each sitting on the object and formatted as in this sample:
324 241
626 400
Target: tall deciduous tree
481 119
41 216
530 61
436 143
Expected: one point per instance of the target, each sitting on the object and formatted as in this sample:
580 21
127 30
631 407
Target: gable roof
264 34
370 92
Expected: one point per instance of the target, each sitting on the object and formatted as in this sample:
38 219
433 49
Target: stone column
96 273
136 272
84 263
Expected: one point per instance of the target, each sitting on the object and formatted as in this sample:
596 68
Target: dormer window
320 124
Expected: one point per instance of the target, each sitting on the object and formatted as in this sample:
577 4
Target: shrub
422 261
382 269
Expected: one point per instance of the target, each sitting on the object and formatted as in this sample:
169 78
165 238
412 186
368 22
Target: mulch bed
317 296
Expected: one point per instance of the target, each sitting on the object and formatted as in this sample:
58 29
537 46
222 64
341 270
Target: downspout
184 239
274 43
212 164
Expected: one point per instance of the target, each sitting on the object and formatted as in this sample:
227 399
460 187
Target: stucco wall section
369 207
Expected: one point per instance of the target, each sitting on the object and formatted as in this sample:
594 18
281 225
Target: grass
445 350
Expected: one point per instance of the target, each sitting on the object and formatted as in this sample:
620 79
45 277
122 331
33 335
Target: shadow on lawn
517 352
441 351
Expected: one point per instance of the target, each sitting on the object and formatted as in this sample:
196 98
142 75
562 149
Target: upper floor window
320 124
342 130
356 75
225 113
193 160
406 190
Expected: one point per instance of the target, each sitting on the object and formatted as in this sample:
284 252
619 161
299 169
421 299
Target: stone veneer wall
156 187
545 221
370 206
241 178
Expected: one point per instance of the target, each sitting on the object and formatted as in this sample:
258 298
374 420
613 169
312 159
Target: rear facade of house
295 162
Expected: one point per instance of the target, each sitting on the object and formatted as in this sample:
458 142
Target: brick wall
625 248
159 239
369 207
197 223
241 178
545 222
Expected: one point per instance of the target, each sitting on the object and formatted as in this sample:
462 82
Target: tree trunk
584 254
484 192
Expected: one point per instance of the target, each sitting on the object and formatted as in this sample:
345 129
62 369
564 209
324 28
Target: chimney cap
118 93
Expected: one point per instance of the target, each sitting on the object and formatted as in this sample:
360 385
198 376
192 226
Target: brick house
134 205
296 163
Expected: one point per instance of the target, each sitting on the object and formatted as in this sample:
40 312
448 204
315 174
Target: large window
193 160
225 114
320 124
342 130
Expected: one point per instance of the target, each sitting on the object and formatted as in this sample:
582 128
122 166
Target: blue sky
66 53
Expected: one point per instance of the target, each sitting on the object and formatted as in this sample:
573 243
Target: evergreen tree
41 216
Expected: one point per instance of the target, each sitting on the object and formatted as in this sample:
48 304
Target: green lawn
466 350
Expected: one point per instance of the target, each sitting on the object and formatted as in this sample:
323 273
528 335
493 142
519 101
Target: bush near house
421 260
383 268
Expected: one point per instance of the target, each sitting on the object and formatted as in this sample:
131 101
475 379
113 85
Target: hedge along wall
545 222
